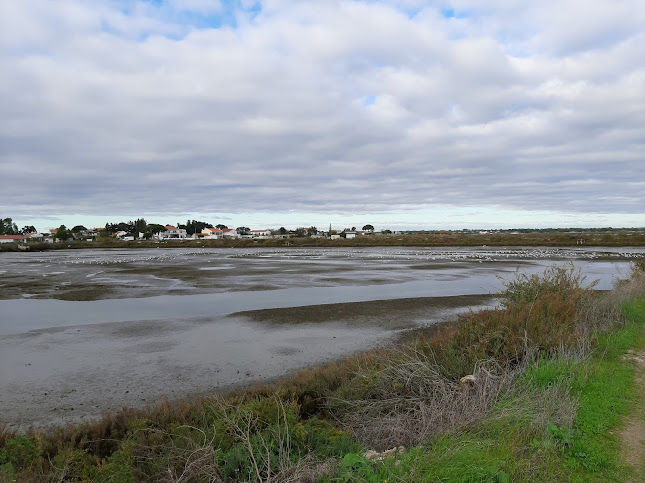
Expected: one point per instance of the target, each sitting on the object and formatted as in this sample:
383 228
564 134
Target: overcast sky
401 114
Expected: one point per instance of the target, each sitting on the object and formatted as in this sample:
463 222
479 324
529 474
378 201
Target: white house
172 233
12 239
261 233
34 236
350 234
212 233
230 233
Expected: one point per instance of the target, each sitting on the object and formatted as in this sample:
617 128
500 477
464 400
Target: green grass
447 459
512 449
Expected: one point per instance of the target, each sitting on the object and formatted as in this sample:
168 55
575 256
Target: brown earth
390 314
633 431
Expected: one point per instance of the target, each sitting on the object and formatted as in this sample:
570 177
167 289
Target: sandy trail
633 431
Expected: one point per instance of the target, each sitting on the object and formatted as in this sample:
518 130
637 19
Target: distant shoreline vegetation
590 237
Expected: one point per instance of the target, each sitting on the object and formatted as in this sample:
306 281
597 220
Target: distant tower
330 227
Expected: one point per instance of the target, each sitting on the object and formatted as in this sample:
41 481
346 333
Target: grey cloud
273 116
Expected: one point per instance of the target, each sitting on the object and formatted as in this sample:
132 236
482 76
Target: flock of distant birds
479 254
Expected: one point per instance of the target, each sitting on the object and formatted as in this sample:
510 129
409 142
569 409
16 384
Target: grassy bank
556 422
617 238
532 391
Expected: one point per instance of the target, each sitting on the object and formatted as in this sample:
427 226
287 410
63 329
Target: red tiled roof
168 227
12 237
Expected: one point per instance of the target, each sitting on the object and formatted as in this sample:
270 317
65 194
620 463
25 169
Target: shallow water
79 287
83 331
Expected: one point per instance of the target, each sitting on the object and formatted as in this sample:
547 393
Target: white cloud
341 107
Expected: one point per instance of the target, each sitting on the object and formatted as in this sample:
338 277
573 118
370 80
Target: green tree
312 230
121 226
282 230
8 227
126 227
62 233
78 228
153 229
28 229
194 226
243 230
140 226
300 232
221 227
368 228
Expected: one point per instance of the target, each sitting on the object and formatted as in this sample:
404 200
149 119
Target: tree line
141 226
8 227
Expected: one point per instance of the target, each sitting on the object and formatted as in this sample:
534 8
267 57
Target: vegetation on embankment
614 238
548 386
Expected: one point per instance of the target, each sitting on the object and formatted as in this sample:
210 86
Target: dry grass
179 458
411 400
537 407
604 310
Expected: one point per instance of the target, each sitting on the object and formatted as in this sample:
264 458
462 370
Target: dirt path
633 432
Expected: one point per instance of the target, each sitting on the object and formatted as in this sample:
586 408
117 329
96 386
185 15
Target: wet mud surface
55 375
88 331
85 275
396 314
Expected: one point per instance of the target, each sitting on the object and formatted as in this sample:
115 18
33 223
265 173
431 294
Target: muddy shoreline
390 314
149 366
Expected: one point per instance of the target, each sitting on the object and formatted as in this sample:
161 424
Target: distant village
192 230
139 230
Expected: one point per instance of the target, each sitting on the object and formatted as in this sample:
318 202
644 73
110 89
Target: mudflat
88 331
56 375
396 314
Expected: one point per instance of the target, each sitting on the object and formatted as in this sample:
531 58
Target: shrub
564 281
19 451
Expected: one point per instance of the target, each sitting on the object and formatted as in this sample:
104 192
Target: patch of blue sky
226 16
410 12
518 107
129 7
254 10
369 100
106 28
449 12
